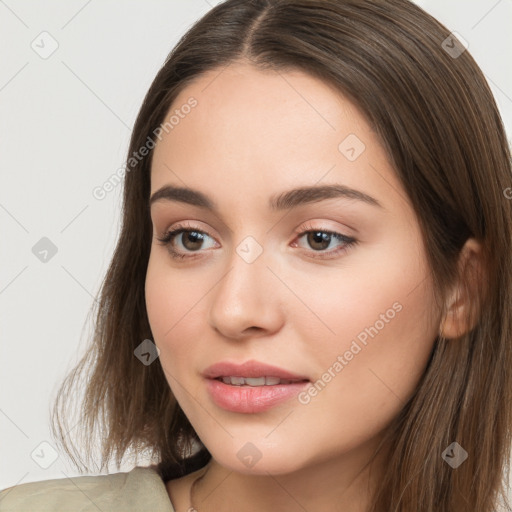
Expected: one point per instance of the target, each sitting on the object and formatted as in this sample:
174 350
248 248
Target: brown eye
191 240
319 240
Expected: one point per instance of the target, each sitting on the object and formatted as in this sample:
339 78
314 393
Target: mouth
257 381
251 373
251 387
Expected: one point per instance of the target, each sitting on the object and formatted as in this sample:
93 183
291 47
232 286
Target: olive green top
141 489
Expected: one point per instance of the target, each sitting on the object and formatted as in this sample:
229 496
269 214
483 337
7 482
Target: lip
249 369
251 399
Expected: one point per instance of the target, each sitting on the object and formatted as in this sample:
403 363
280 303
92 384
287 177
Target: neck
345 483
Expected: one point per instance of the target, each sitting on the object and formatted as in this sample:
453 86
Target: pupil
195 238
319 237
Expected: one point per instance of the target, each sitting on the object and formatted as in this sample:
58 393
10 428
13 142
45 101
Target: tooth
255 381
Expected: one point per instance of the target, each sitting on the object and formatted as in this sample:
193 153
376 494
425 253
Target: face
333 288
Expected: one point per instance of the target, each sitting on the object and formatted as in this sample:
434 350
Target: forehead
256 132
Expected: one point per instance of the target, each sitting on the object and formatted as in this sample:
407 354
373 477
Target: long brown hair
436 117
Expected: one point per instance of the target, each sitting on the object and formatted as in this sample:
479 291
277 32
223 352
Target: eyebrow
282 201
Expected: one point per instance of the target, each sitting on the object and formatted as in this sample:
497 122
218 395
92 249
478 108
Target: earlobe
462 310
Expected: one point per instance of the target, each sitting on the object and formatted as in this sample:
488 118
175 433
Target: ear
462 309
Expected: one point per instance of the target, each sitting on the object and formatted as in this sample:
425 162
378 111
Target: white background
65 126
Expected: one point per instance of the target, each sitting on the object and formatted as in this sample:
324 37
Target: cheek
160 298
165 303
175 307
379 340
384 288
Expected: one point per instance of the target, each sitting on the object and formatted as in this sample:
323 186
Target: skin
254 134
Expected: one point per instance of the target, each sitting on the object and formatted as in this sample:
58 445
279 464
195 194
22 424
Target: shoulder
140 489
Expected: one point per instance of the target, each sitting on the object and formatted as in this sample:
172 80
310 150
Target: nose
246 301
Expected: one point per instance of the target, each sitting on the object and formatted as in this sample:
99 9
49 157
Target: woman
309 304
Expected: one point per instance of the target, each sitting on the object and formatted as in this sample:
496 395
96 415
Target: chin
253 458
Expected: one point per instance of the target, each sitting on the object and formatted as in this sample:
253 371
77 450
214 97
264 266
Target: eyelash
170 235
